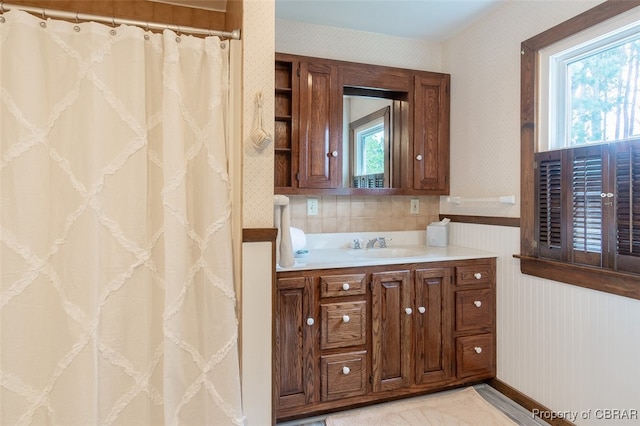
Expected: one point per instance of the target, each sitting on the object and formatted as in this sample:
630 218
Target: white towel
282 221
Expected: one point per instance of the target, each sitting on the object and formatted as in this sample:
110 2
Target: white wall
569 348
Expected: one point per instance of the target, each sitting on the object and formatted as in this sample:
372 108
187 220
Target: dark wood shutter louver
586 205
627 172
550 205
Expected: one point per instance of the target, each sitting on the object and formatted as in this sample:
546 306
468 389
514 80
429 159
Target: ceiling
431 20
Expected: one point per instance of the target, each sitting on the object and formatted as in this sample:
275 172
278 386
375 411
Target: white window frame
553 108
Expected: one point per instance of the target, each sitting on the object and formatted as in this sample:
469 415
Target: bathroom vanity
356 327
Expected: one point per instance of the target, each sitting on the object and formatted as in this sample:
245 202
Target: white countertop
334 251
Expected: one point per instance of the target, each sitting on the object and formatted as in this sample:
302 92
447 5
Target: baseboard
533 406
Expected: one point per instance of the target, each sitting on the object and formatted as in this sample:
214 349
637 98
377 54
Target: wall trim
484 220
528 403
137 10
256 235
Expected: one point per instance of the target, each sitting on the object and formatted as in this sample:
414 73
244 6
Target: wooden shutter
586 205
627 182
549 197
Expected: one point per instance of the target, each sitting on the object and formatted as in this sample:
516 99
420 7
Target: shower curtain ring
44 15
77 20
1 7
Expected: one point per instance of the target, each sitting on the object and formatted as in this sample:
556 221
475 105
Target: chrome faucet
382 243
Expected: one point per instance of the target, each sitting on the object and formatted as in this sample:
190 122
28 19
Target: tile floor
517 413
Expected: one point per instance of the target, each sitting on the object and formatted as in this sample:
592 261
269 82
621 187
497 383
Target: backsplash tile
363 213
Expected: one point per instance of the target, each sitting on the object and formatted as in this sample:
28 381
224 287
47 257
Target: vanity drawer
480 274
343 324
475 355
343 375
342 285
474 309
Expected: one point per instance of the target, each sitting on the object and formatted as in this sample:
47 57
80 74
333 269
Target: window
369 137
370 148
590 86
580 217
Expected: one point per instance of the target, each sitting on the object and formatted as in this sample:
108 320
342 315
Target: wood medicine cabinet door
431 134
320 127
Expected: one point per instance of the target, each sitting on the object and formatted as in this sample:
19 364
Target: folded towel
298 239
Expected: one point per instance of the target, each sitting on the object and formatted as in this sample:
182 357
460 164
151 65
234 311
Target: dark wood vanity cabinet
312 148
409 323
295 342
353 336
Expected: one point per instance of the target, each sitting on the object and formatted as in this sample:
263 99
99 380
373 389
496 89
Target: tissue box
437 235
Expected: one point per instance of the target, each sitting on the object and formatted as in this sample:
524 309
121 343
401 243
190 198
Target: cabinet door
320 126
391 315
296 326
432 320
431 134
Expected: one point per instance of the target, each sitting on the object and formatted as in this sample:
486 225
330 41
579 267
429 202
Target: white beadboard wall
569 348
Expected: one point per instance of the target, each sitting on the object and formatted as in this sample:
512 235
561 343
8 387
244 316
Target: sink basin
389 252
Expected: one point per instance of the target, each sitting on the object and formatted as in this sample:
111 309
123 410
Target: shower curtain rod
235 34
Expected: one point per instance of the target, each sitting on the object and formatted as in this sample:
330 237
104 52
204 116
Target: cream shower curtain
117 302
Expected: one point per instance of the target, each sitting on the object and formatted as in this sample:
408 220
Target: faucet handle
356 244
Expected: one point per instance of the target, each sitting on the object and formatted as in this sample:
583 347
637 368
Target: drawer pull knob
419 157
478 349
310 321
334 153
345 318
345 286
409 311
346 370
422 309
478 275
477 303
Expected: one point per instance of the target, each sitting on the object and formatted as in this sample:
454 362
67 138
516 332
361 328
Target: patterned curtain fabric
117 301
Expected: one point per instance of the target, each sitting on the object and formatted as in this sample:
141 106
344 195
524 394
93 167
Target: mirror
369 129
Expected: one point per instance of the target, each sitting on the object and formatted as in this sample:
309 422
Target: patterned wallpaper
484 63
356 46
258 76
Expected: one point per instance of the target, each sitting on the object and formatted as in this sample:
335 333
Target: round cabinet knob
310 321
478 275
409 311
346 370
345 286
422 309
478 349
477 303
334 153
419 157
345 318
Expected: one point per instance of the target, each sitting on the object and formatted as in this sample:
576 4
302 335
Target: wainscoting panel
572 349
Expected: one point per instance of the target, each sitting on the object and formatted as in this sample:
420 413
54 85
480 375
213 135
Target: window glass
603 101
371 149
590 87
